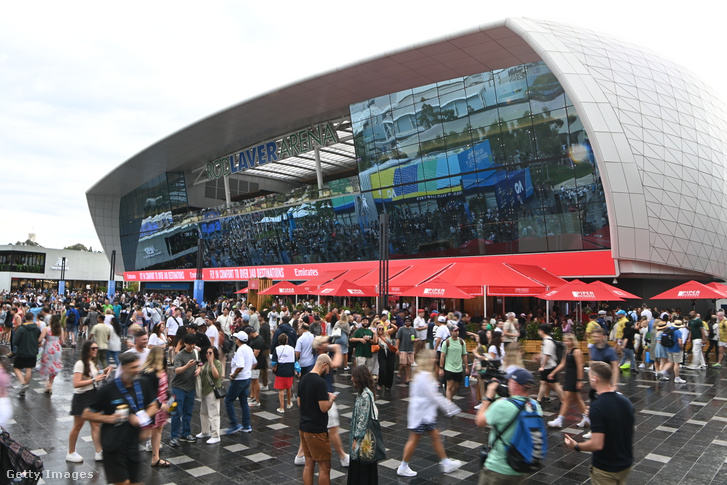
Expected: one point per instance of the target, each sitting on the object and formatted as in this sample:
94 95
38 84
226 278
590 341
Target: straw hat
678 324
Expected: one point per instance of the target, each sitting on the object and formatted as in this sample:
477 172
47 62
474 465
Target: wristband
490 399
577 448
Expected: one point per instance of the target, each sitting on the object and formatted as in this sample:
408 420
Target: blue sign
198 290
111 292
61 287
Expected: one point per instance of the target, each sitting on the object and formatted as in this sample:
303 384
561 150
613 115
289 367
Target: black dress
571 372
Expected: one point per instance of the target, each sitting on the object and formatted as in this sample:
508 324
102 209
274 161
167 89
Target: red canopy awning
542 276
617 292
354 274
343 287
691 290
244 290
719 287
372 279
437 288
500 279
414 275
577 290
311 286
283 288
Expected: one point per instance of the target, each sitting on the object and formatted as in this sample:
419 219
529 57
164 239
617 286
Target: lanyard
139 396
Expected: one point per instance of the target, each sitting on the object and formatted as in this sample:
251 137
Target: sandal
161 464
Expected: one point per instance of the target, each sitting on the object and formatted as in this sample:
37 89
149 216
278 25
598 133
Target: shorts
316 446
255 374
82 401
25 362
424 427
119 467
675 357
283 382
406 358
333 420
723 344
452 376
544 376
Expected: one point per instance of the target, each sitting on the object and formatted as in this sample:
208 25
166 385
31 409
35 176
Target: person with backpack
453 362
671 340
518 440
549 358
612 426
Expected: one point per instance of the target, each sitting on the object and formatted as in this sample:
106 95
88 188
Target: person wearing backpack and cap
502 414
674 352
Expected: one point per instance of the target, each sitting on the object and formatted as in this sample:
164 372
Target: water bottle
466 381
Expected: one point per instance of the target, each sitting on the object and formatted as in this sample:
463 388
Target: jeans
183 416
628 354
114 357
238 389
697 355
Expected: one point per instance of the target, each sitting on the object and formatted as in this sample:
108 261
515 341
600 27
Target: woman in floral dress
51 362
358 471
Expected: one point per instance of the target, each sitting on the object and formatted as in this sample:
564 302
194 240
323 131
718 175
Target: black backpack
559 350
70 317
667 338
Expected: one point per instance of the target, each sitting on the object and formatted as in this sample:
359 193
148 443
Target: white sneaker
263 388
448 466
414 364
147 446
679 380
405 471
212 441
98 456
584 422
345 461
556 423
299 460
587 436
642 366
74 457
203 435
478 406
290 406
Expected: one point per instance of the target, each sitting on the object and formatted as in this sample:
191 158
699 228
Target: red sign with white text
579 264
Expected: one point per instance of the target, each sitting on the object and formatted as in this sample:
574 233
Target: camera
491 372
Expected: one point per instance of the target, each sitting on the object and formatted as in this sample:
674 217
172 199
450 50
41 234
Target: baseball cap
521 376
347 312
442 318
241 336
601 312
620 312
420 310
434 312
593 315
246 317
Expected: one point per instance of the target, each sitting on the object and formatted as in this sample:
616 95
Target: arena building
522 141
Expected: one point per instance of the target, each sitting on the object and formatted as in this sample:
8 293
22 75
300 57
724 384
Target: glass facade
22 261
493 163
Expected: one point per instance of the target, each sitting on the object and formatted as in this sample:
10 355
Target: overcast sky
86 85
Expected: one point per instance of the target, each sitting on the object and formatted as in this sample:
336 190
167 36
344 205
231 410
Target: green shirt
453 352
206 375
363 349
499 415
695 327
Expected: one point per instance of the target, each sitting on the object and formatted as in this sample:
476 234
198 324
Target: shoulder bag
220 392
372 449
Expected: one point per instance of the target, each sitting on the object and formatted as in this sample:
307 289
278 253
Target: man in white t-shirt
421 326
442 333
510 330
240 373
273 316
225 321
212 333
141 341
173 324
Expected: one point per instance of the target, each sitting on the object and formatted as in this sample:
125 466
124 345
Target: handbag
371 448
220 392
375 348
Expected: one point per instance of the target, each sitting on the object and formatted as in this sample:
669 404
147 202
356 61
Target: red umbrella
343 287
244 290
691 290
719 287
437 288
577 290
617 292
283 288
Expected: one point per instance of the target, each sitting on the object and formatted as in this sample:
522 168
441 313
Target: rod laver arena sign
268 152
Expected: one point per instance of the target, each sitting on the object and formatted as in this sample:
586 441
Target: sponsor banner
510 291
583 295
689 294
578 264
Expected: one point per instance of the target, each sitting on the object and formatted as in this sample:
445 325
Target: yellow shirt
592 325
723 331
620 327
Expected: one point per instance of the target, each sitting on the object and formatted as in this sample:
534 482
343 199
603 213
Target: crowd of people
144 359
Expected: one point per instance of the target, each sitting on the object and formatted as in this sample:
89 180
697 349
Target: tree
27 242
78 247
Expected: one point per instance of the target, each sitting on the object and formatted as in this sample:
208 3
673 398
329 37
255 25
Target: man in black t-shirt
257 345
120 434
612 427
314 401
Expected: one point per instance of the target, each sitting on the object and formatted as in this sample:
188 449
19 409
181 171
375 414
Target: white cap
347 312
442 318
241 336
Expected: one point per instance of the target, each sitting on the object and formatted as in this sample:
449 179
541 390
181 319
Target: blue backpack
529 443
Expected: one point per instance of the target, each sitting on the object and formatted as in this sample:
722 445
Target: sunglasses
94 348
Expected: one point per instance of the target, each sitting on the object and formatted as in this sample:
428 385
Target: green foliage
531 330
78 247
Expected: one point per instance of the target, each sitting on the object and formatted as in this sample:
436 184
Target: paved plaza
681 438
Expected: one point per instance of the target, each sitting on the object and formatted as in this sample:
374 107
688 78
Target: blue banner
61 287
111 292
199 290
